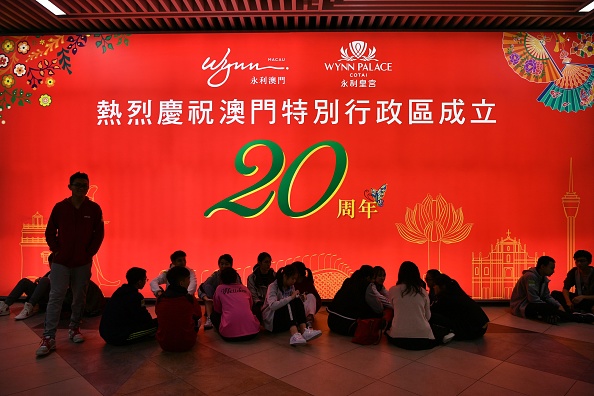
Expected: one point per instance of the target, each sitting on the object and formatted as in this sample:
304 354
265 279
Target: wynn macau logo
358 51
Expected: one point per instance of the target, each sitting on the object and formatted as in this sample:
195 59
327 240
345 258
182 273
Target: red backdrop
487 181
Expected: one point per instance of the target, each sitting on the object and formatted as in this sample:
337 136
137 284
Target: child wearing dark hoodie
178 313
258 282
126 319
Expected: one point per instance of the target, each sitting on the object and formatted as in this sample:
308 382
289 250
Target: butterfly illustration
377 195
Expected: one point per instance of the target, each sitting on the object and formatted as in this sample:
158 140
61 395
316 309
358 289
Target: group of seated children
288 300
230 306
411 320
126 319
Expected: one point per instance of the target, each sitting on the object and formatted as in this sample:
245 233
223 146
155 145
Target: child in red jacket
178 313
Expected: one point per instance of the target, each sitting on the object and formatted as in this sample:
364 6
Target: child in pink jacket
232 315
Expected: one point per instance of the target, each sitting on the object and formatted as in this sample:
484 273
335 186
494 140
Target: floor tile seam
8 348
356 390
500 387
327 362
569 338
537 323
491 370
399 368
571 387
449 371
403 389
44 385
233 386
542 371
13 330
577 354
51 382
546 373
241 357
275 379
177 379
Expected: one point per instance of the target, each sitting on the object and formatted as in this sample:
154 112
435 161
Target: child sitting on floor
178 313
311 298
283 309
37 293
125 319
208 287
232 315
178 259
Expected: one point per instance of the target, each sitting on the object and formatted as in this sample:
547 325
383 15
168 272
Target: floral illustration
36 60
23 47
20 69
8 81
434 221
588 48
514 58
534 59
45 100
8 45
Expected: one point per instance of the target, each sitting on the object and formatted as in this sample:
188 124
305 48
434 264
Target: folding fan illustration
569 89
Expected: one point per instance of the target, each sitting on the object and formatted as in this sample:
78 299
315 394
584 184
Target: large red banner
467 152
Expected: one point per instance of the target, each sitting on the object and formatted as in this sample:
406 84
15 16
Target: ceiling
18 17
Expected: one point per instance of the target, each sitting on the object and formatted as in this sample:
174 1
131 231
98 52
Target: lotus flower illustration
434 221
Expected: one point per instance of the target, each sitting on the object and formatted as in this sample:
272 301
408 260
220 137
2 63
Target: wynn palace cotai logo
358 50
358 59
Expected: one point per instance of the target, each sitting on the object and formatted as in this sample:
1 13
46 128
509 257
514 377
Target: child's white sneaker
448 337
28 310
311 334
208 324
4 309
297 339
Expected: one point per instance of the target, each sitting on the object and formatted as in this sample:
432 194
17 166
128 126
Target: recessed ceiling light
51 7
588 8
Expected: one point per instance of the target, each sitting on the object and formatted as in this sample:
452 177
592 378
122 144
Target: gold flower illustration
434 221
8 80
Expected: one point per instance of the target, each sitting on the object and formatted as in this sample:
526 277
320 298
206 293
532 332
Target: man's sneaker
28 310
297 339
208 324
448 337
583 318
4 309
47 345
75 336
311 334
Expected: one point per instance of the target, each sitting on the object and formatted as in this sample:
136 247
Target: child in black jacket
126 319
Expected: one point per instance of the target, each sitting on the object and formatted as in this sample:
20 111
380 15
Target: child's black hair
303 271
228 276
177 274
135 274
227 257
288 271
177 254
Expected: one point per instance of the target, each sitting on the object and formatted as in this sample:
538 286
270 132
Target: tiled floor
515 357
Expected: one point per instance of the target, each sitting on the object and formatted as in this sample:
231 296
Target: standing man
74 234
